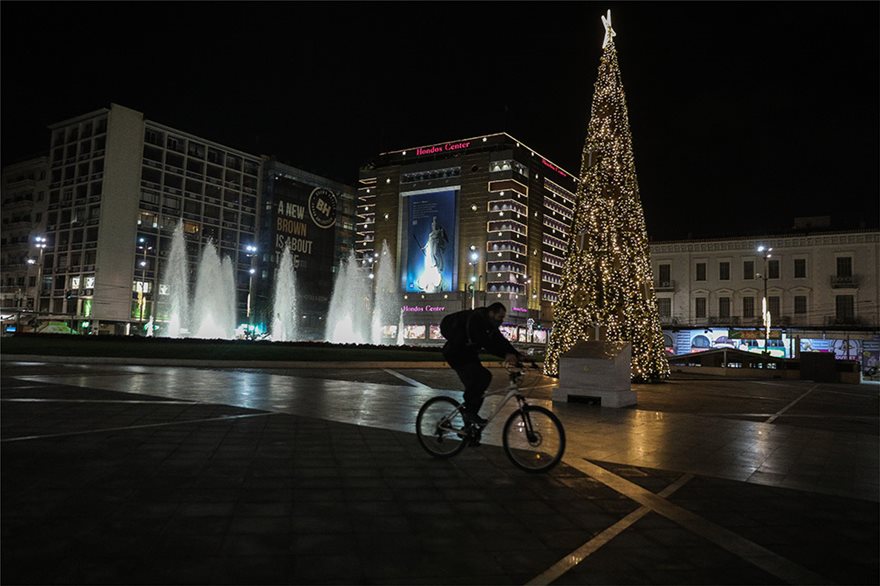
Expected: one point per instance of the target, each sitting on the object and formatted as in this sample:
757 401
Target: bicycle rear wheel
534 439
440 427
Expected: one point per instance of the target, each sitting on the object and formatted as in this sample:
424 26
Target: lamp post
251 252
474 260
766 304
40 243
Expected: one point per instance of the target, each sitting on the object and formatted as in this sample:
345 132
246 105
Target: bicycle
533 437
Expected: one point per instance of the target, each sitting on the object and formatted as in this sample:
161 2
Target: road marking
26 400
105 430
749 551
406 379
590 547
790 405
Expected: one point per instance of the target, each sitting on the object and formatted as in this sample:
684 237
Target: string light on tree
607 282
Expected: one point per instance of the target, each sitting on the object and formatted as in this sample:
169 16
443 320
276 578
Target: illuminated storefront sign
554 167
420 309
519 309
449 146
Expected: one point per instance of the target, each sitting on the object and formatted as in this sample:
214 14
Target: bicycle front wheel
534 439
440 427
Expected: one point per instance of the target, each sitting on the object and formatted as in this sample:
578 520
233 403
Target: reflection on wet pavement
722 445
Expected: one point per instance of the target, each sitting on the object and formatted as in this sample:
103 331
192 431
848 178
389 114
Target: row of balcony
785 320
851 282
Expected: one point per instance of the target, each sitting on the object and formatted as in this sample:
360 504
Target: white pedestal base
598 371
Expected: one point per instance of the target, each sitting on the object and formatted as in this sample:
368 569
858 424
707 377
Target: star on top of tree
609 32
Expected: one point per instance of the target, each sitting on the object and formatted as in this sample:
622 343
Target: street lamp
40 243
142 302
251 252
474 260
765 305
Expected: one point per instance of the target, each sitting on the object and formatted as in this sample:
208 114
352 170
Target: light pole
475 259
766 304
142 300
251 251
40 243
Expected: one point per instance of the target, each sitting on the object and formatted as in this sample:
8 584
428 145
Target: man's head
497 313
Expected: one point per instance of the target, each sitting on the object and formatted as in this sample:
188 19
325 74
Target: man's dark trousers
476 379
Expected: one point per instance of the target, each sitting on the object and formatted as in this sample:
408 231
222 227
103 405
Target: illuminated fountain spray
350 314
176 278
284 310
213 307
386 299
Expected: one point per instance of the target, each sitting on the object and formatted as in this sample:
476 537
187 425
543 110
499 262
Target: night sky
743 115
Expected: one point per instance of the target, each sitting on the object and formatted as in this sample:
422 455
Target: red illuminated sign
554 167
449 146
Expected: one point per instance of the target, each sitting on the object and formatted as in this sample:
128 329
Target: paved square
152 475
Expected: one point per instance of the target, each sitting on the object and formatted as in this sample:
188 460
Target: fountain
284 310
211 311
350 312
355 315
176 278
213 307
386 302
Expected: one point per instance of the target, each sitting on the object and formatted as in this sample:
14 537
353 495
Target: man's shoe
473 418
475 436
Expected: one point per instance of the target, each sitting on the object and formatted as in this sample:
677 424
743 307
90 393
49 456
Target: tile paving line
745 549
776 415
130 427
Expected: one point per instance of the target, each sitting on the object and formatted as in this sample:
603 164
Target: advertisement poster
430 242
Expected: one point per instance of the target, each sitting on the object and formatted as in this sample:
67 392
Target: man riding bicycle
466 333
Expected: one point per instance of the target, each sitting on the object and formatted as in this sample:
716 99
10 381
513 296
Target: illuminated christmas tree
607 283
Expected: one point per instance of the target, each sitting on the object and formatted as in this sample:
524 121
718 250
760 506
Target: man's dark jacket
468 332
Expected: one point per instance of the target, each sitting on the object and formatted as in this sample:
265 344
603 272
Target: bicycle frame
510 392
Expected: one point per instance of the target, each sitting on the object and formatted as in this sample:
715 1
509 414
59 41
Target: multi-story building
313 216
24 198
469 222
118 186
821 288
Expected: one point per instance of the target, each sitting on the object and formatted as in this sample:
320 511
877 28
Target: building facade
822 293
105 202
469 222
23 201
314 218
118 186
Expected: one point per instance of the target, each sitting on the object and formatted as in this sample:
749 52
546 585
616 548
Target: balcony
664 286
730 320
839 282
844 320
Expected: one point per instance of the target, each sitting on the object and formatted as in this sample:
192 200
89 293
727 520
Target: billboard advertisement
430 241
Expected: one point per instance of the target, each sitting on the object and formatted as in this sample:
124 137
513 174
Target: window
748 307
800 268
773 308
845 307
844 266
800 304
701 271
664 272
724 271
700 307
724 307
748 269
772 269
